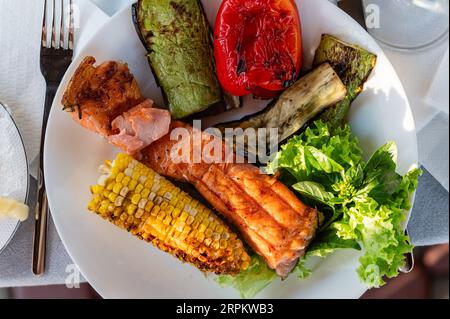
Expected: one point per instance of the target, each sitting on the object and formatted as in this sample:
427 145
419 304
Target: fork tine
44 26
62 27
53 25
71 26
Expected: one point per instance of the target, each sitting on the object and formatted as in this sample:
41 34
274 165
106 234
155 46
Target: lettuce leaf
368 201
250 281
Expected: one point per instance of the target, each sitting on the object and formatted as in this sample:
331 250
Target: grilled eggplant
353 65
309 96
177 37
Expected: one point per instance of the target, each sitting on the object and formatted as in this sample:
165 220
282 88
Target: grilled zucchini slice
177 37
353 65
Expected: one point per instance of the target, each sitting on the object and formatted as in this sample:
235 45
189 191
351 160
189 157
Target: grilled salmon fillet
273 221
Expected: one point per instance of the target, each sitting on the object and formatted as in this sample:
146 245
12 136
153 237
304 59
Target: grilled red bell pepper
257 46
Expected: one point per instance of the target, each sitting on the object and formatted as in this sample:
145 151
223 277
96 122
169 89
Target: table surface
429 216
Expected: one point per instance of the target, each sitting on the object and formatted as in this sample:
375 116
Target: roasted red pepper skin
257 46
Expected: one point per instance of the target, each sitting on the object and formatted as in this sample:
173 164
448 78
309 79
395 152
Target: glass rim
443 36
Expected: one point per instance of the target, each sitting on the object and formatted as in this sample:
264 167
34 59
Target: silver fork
55 59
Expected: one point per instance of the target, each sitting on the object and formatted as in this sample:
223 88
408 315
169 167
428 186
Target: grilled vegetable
353 65
257 46
297 105
135 198
176 34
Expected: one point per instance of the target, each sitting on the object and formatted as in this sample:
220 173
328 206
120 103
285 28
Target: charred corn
135 198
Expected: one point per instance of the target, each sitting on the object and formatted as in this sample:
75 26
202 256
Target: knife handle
40 228
42 210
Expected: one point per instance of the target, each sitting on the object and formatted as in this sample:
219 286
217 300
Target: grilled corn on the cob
135 198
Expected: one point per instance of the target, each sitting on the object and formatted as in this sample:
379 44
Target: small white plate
120 266
13 163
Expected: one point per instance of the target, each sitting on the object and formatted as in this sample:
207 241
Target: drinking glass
407 24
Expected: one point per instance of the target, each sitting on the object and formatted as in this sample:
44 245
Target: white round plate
120 266
13 171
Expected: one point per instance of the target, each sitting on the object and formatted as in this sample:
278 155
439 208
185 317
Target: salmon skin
272 220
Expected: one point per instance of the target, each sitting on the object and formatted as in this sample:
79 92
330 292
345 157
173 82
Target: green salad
363 205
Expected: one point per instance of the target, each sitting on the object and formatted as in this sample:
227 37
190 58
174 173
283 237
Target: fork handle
41 209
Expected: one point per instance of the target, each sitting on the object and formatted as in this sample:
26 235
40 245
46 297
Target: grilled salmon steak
273 221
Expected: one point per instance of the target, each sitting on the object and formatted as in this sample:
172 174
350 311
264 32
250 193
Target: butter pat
11 208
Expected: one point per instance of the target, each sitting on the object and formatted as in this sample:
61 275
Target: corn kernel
155 187
131 209
167 220
176 212
139 213
142 203
112 197
128 171
145 192
184 216
117 212
117 188
124 191
136 175
223 244
158 200
208 233
132 185
123 217
201 237
142 179
92 206
152 196
195 224
120 177
126 180
149 206
201 228
136 198
168 196
155 210
97 189
133 163
139 188
161 215
130 219
102 209
190 220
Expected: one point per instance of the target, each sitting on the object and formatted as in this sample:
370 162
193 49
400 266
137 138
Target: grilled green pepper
353 65
177 36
